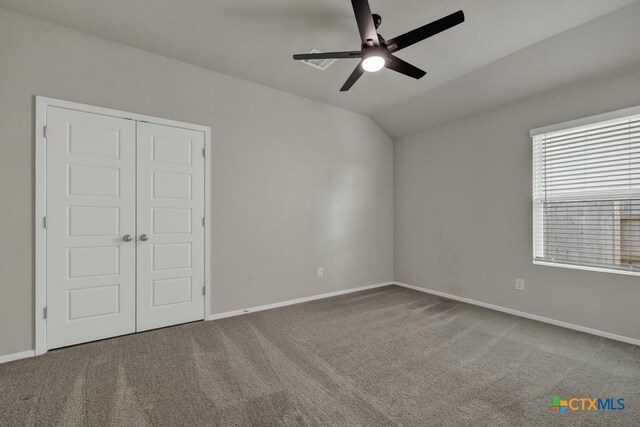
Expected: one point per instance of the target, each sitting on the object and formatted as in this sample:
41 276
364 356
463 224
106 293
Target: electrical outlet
320 272
520 284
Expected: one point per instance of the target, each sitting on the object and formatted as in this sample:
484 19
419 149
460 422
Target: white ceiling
601 48
254 39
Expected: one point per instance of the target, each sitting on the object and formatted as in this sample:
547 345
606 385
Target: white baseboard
30 353
17 356
555 322
295 301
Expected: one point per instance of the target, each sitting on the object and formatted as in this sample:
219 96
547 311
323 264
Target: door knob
126 238
144 237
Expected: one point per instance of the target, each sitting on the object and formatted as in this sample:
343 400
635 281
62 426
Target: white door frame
41 201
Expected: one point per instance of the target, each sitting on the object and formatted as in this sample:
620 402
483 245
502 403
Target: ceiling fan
376 52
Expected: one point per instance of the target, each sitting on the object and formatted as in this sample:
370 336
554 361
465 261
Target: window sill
587 268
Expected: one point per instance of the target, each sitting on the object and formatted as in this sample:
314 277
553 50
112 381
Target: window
586 193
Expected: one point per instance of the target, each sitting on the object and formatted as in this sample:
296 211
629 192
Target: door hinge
203 221
44 313
44 222
204 292
44 131
203 153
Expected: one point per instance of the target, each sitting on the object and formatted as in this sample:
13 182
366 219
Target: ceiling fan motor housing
377 20
368 51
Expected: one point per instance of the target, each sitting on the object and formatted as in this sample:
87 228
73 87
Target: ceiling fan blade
402 67
328 55
364 18
359 71
426 31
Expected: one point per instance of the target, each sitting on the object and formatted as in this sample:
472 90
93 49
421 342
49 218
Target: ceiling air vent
320 64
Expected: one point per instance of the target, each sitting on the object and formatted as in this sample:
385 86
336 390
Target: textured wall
296 184
463 211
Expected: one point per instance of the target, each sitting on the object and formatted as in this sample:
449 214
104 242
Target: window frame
533 133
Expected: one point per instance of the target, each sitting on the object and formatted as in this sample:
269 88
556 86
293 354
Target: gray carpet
388 356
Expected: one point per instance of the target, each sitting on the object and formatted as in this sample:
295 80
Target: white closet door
90 208
170 265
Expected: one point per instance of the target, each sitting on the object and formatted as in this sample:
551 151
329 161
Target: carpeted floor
388 356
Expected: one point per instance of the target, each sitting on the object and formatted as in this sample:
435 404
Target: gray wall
463 211
296 184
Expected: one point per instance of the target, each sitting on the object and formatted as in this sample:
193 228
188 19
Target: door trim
41 201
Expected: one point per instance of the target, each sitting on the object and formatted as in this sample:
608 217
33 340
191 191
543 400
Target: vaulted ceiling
254 40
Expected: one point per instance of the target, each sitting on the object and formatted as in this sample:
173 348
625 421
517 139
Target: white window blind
586 193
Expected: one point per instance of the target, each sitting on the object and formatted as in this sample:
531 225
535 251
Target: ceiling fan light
373 63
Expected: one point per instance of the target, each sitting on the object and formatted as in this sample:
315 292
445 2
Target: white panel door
170 244
90 208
